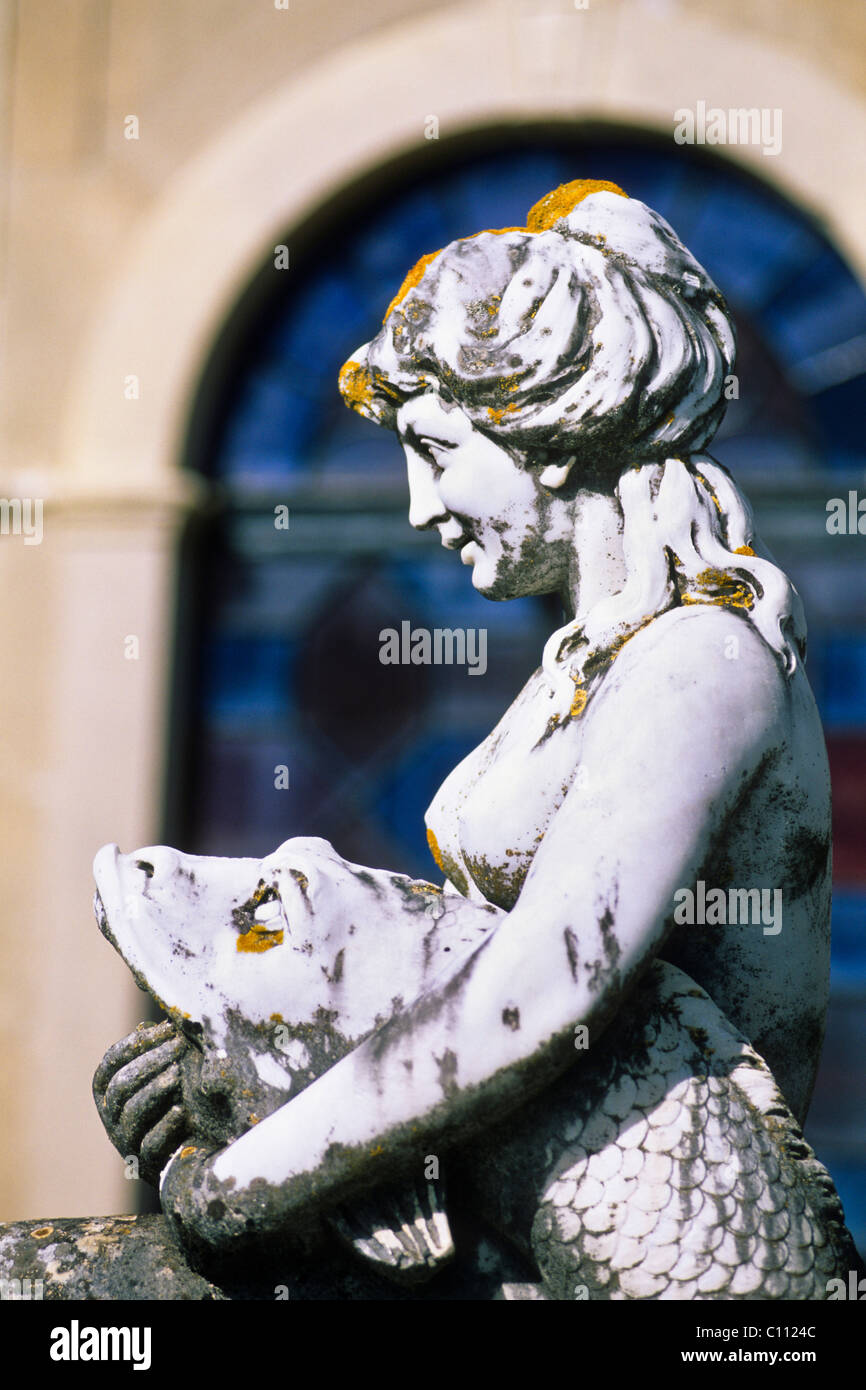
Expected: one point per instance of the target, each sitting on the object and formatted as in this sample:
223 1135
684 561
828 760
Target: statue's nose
425 504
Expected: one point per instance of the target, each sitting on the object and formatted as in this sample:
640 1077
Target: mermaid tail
665 1165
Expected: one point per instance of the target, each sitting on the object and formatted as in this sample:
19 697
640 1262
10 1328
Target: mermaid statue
591 1048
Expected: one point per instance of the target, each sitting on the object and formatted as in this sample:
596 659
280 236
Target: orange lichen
618 643
492 231
355 384
496 412
744 550
719 587
411 280
188 1151
416 274
707 485
434 850
259 939
541 216
562 200
578 704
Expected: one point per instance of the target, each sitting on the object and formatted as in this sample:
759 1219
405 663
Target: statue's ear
555 474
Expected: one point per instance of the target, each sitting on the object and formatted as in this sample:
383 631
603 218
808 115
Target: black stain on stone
807 855
335 975
612 949
303 883
429 1006
511 1018
571 951
447 1065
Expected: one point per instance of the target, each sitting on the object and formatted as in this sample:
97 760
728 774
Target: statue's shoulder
703 643
696 673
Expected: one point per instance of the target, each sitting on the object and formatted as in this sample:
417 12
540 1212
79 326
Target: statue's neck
596 567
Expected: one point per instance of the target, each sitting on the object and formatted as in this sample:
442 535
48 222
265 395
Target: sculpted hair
592 338
688 537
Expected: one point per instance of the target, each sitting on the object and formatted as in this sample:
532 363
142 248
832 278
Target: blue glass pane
849 941
799 322
840 414
247 675
749 244
406 790
843 681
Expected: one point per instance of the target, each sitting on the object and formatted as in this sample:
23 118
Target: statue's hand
137 1089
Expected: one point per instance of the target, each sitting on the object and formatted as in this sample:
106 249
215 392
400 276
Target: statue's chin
493 585
485 577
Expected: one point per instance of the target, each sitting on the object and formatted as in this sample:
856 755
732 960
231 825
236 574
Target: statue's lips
459 542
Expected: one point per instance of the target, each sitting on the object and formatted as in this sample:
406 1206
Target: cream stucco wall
121 257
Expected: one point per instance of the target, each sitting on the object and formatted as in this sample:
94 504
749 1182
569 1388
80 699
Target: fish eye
268 911
262 912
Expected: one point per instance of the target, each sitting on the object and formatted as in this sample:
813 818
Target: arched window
278 658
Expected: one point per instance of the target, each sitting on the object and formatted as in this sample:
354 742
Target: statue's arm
674 739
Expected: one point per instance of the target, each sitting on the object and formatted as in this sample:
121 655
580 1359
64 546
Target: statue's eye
435 449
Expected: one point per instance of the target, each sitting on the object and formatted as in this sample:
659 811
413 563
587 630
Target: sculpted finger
136 1044
147 1106
137 1073
160 1142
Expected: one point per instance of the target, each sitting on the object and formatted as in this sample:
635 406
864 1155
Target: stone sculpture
612 1081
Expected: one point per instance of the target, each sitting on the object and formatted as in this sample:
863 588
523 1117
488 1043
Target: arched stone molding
467 66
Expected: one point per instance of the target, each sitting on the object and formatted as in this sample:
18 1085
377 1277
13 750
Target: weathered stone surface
135 1257
123 1257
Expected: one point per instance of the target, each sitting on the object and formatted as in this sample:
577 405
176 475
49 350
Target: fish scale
681 1172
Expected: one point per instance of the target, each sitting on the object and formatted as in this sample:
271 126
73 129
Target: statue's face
272 968
511 530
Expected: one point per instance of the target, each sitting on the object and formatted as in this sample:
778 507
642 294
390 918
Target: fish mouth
100 912
102 921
